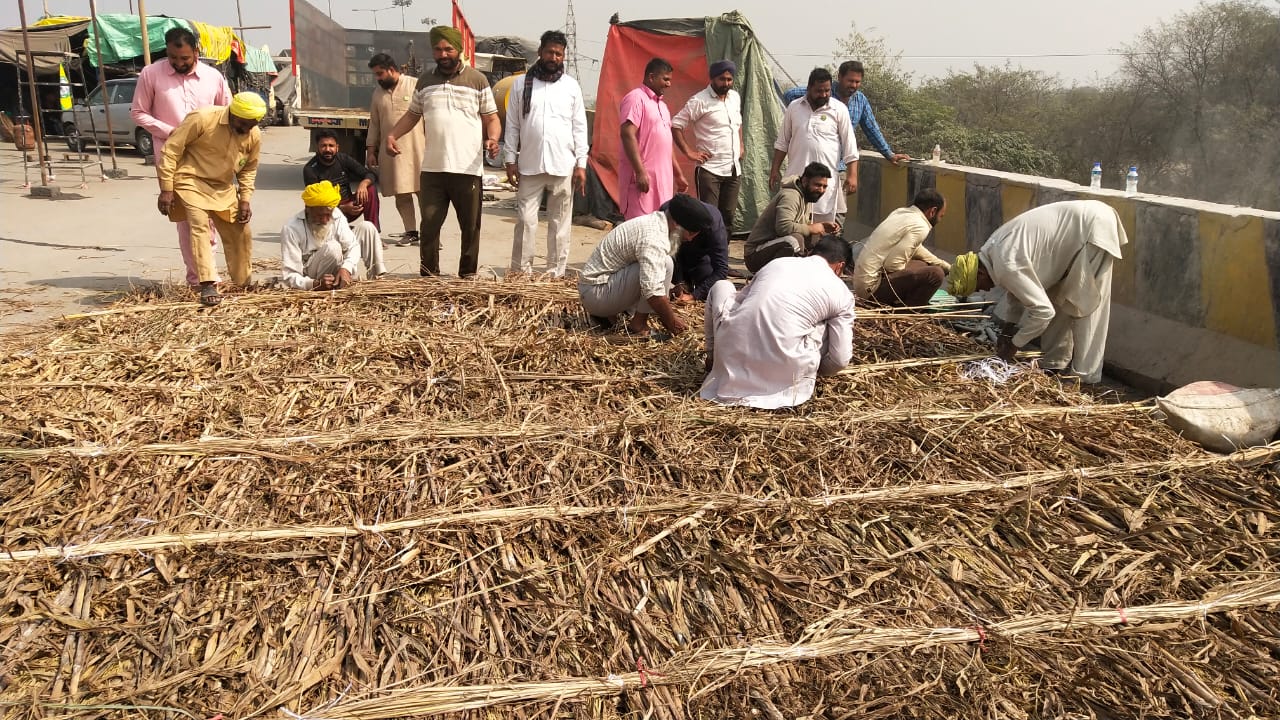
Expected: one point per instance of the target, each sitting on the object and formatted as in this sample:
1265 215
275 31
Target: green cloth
447 33
258 60
121 36
730 37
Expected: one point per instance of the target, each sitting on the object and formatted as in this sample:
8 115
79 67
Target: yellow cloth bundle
215 41
321 194
964 275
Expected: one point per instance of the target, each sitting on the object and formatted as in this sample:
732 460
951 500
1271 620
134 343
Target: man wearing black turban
715 114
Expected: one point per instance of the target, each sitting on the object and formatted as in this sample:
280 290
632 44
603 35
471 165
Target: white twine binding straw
993 370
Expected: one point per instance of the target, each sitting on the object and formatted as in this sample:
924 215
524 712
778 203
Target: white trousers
370 247
719 300
327 259
1080 343
559 221
621 292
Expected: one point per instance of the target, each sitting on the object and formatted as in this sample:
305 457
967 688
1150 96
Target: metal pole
35 96
102 79
240 19
146 45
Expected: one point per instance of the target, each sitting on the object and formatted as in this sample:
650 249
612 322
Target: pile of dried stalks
432 497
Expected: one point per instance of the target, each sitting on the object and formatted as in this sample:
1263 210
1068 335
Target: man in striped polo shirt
460 116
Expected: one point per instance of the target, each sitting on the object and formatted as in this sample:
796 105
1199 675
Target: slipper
209 296
602 324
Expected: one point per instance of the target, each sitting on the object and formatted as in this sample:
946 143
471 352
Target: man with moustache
647 172
318 251
207 175
358 206
546 149
815 130
894 267
715 114
166 93
460 117
398 175
784 228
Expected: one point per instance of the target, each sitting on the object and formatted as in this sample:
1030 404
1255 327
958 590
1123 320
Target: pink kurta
163 97
160 102
646 110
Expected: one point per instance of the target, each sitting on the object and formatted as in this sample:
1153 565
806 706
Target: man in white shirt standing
768 343
546 149
318 250
716 117
815 130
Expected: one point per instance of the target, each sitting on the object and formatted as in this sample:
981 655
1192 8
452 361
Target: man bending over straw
631 267
1054 263
319 251
768 343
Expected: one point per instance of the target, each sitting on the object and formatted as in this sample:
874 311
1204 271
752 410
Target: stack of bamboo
428 497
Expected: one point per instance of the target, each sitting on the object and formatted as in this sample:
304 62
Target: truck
335 88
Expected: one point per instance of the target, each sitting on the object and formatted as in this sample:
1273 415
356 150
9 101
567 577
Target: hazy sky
932 35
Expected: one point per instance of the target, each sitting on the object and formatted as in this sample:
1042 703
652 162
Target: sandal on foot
209 296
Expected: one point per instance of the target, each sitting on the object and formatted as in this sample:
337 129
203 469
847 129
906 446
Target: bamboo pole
142 20
41 150
697 505
704 666
102 82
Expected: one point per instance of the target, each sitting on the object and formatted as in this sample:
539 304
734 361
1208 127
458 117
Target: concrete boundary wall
1196 297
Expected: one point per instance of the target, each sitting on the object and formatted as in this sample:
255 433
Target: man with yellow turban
457 109
207 173
319 251
1054 264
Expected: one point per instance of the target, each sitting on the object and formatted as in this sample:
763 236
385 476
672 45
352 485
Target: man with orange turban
207 172
318 250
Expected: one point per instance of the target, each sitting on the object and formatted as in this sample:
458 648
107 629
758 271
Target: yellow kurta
399 174
207 164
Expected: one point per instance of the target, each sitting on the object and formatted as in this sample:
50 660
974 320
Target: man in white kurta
768 343
546 149
1054 263
816 130
319 251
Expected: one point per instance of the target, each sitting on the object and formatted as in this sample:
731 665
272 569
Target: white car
86 121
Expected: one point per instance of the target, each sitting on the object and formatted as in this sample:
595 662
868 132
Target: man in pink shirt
648 174
166 92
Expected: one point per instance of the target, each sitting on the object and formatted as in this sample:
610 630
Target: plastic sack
1222 417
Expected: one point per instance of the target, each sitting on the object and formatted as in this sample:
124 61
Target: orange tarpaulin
626 53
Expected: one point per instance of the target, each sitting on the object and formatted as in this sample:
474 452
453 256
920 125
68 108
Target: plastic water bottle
1095 177
937 153
1131 181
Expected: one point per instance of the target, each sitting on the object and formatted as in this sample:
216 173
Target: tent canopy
690 45
121 36
44 39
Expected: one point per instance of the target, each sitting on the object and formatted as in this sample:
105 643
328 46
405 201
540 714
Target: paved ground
63 256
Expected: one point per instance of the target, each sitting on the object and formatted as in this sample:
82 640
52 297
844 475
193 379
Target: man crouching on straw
1054 263
768 343
318 250
631 267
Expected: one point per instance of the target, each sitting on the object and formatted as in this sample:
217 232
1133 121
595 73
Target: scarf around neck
537 73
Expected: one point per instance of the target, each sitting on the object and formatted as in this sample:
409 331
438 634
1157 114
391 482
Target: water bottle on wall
1131 181
937 153
1095 177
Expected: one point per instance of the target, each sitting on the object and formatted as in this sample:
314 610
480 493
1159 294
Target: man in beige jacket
398 175
785 227
894 267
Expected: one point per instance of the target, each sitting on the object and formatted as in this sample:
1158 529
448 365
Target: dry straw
444 497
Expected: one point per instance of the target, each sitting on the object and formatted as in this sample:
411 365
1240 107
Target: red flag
468 37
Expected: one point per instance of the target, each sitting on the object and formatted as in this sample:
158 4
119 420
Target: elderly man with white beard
319 251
